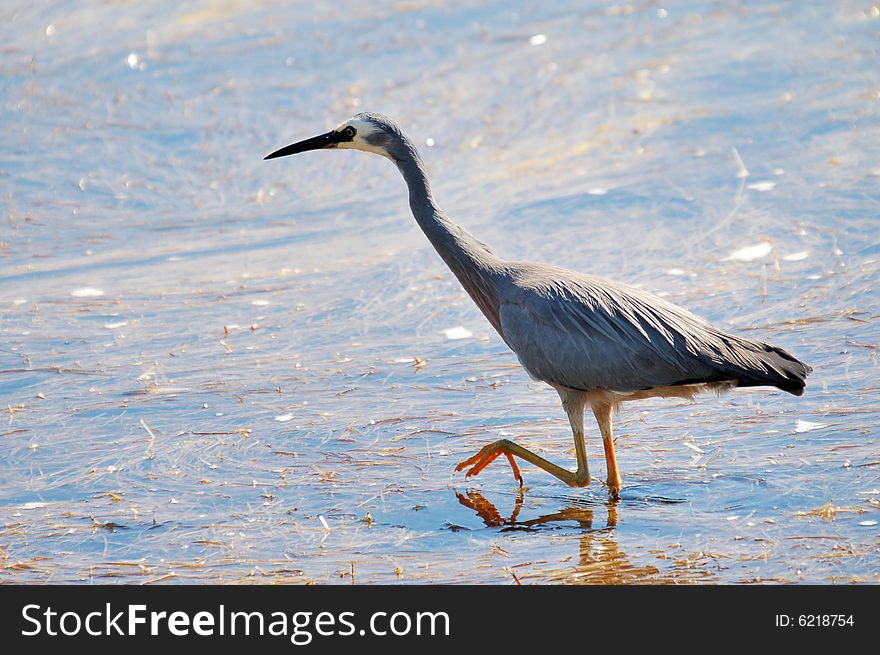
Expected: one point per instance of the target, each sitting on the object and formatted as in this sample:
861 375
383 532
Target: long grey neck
480 271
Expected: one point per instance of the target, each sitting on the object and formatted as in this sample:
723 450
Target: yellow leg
574 407
603 418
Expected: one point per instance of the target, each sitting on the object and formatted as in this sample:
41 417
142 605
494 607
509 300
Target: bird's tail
779 369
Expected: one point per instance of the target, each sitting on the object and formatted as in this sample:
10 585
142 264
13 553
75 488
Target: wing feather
588 333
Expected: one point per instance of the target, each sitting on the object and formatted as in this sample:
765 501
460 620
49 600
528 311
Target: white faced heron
597 342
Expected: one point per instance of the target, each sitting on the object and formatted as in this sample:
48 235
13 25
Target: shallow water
217 368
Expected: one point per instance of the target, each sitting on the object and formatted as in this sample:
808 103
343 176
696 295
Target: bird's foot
486 456
614 486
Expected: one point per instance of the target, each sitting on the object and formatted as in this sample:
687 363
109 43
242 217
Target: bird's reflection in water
493 519
600 559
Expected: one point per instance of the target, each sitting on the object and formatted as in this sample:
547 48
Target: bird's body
596 341
590 334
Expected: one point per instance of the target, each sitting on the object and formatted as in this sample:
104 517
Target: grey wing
590 334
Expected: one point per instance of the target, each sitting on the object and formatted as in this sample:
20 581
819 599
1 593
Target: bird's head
368 132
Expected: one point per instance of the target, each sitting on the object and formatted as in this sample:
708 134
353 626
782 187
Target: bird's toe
470 461
614 490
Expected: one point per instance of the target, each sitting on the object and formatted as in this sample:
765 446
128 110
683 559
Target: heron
597 342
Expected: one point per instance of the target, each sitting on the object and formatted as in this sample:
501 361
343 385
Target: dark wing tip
770 367
793 371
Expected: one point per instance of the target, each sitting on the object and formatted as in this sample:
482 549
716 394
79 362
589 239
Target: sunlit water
215 368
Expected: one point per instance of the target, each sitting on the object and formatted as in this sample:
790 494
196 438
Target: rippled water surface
219 369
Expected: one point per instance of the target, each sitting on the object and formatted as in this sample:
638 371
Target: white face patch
359 142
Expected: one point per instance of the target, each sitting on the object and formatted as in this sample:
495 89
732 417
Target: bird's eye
350 132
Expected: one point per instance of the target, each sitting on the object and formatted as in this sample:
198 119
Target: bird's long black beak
327 140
